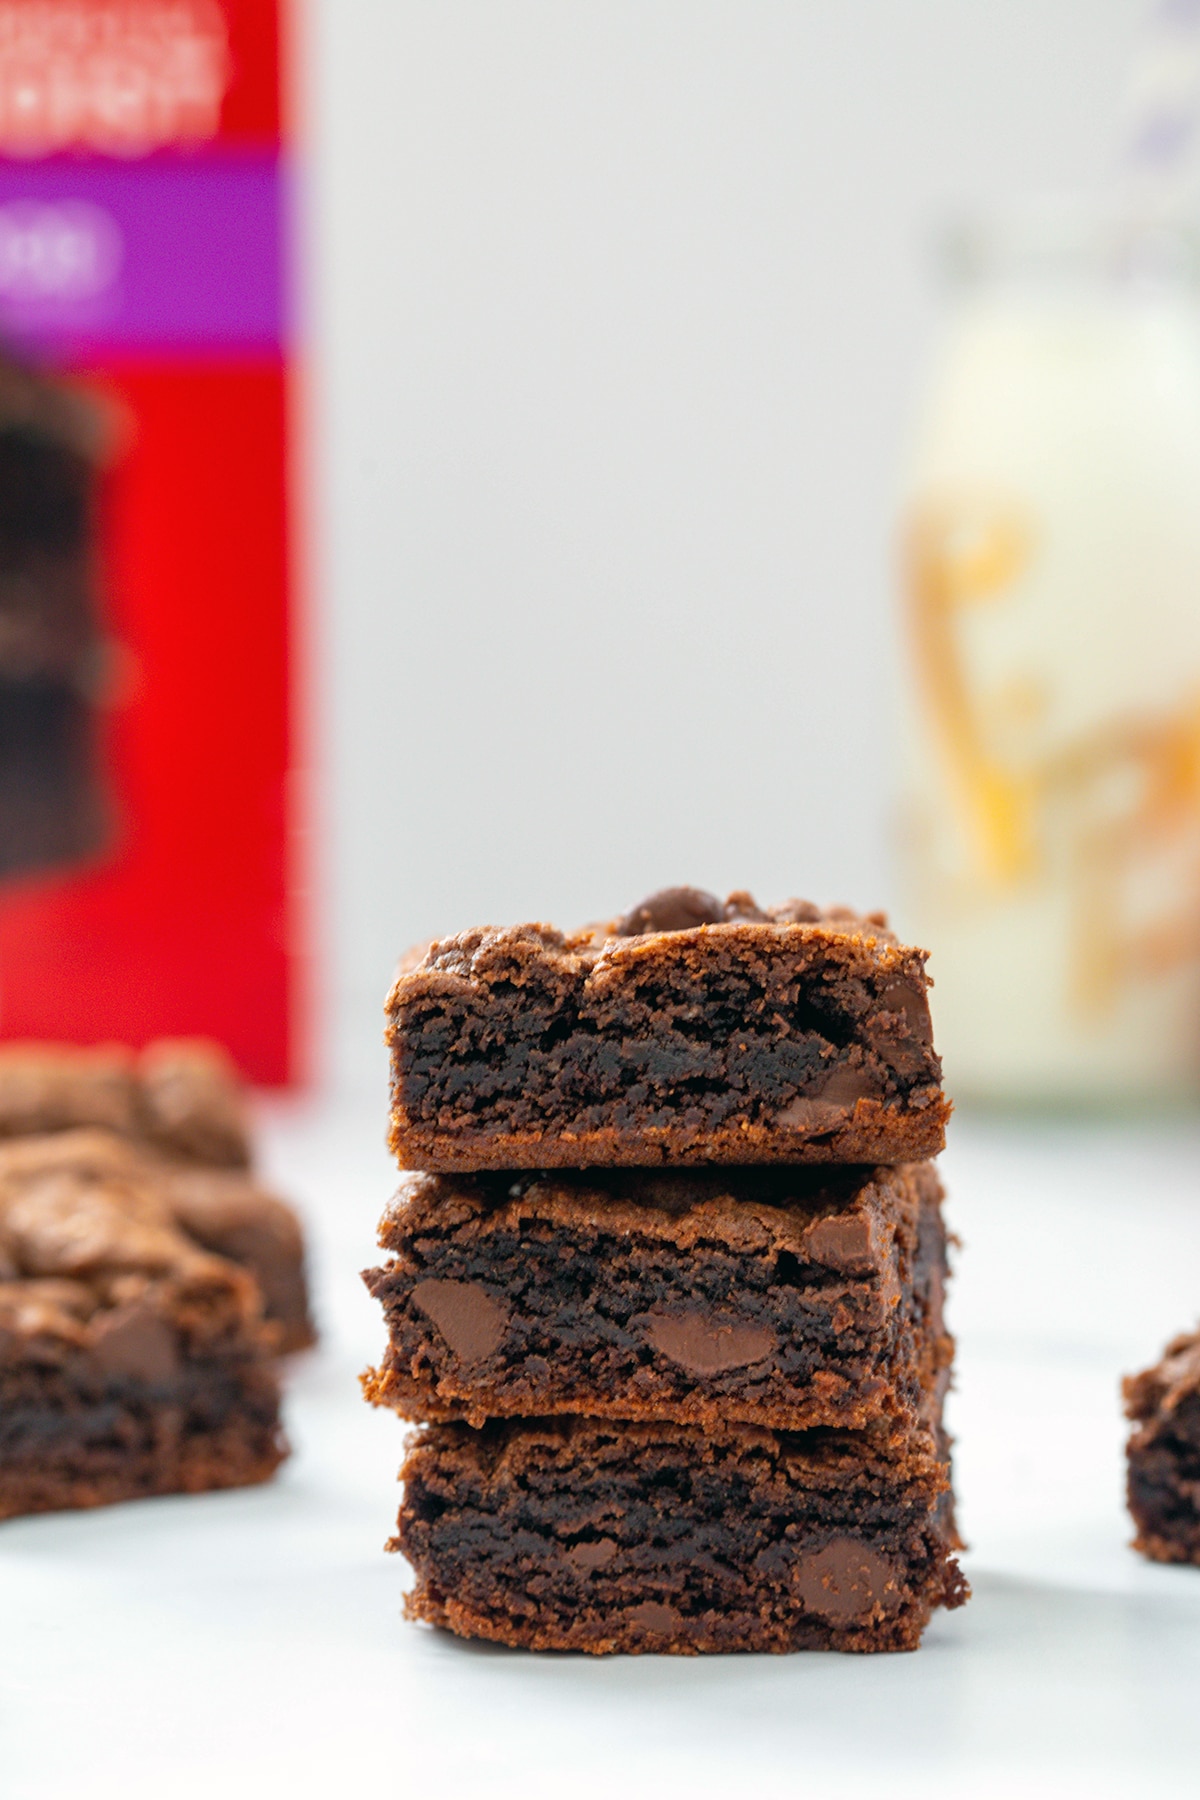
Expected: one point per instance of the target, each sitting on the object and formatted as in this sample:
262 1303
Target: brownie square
786 1297
182 1097
691 1031
1164 1453
578 1534
132 1361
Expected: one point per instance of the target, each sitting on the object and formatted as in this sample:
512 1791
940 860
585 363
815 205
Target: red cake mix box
147 880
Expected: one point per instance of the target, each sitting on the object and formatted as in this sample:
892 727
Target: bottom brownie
579 1534
1164 1453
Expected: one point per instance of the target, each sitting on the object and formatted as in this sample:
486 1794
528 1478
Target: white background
617 311
249 1646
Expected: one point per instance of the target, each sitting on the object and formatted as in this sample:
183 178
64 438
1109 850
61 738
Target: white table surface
251 1643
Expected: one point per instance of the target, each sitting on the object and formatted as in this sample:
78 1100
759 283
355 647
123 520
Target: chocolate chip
844 1241
906 998
846 1085
814 1117
672 909
795 912
595 1555
900 1028
472 1322
846 1582
709 1343
742 905
652 1615
132 1340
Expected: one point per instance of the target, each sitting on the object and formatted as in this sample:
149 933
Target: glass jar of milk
1050 569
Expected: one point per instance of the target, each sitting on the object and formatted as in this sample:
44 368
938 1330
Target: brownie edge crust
577 1535
693 1031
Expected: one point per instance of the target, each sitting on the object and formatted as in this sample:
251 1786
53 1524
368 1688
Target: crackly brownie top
662 916
182 1096
92 1260
837 1219
1158 1392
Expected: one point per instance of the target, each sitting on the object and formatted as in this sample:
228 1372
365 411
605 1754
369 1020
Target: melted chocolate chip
652 1615
587 1557
903 997
472 1322
846 1582
901 1029
816 1117
845 1086
132 1340
672 909
843 1241
709 1343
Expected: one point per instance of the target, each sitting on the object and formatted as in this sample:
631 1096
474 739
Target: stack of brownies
666 1296
148 1282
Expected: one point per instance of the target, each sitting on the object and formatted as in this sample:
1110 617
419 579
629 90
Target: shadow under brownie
132 1361
692 1031
1164 1453
575 1534
785 1297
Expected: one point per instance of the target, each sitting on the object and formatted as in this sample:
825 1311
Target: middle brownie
783 1297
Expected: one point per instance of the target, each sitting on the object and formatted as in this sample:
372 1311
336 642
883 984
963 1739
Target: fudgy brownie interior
573 1534
738 1036
787 1297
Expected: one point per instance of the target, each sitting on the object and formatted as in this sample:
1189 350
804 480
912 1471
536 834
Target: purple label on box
163 253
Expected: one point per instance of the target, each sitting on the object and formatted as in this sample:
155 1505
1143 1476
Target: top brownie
693 1030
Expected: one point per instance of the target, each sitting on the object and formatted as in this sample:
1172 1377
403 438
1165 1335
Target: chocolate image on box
693 1030
132 1360
786 1297
576 1534
182 1097
1164 1453
52 808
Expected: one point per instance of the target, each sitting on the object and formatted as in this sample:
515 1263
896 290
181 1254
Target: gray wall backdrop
616 311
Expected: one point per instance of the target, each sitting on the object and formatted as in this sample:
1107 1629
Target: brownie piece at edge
222 1210
581 1535
231 1215
790 1036
183 1098
131 1360
1163 1453
783 1297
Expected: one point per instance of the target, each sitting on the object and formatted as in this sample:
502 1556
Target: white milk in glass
1050 552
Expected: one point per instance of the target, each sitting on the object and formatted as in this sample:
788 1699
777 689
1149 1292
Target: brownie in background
52 808
1164 1453
132 1360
